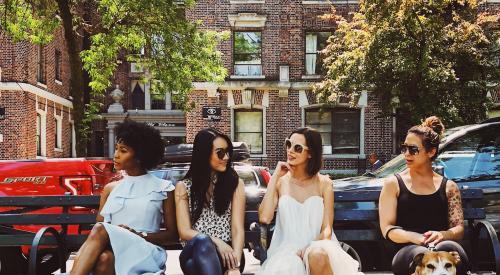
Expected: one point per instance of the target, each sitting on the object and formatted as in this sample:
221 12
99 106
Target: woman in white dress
303 241
125 240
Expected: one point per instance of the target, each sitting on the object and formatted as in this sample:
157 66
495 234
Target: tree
176 52
420 57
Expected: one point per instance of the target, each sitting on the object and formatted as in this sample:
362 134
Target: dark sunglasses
221 153
296 147
412 149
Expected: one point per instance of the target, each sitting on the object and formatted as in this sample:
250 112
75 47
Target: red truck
75 176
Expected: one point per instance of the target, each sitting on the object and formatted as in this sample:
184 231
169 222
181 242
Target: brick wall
18 61
283 116
283 37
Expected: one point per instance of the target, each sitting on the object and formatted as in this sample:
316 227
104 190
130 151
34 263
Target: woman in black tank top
419 209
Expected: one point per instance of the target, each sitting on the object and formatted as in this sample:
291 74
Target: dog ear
417 260
456 257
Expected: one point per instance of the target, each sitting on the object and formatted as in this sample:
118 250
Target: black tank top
421 213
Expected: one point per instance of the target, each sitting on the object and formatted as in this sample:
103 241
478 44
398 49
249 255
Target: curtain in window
311 51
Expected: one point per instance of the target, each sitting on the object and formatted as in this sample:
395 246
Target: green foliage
29 20
420 57
177 52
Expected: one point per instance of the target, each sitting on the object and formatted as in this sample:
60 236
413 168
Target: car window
475 155
159 174
176 175
393 166
248 177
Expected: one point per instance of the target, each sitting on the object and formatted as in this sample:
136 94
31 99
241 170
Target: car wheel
12 261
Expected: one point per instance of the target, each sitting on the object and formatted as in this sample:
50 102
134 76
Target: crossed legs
94 255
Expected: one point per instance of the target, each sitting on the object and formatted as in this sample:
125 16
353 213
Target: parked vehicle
178 157
468 155
75 176
254 177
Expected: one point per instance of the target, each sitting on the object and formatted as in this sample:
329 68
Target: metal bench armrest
36 243
478 226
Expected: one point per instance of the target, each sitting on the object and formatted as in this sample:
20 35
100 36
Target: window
248 127
247 53
58 133
40 72
58 63
157 100
71 136
477 154
339 129
138 97
38 135
315 42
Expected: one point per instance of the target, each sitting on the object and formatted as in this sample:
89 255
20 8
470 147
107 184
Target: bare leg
105 264
90 251
319 263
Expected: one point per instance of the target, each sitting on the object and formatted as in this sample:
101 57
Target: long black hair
200 174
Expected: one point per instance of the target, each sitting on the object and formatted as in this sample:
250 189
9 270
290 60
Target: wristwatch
143 234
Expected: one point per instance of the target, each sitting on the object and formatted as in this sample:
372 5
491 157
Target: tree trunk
76 83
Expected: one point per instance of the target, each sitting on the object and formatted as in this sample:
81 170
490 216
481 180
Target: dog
436 263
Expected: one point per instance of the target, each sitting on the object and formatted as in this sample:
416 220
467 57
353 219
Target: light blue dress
138 203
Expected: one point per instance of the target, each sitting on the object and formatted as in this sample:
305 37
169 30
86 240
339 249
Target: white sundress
138 203
297 225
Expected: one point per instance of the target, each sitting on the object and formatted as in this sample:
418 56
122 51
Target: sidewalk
173 267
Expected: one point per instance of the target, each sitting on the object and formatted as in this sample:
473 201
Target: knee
318 258
203 244
105 261
98 232
201 238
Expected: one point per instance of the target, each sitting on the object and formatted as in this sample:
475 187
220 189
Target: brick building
273 60
35 106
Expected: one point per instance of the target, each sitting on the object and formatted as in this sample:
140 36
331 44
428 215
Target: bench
63 223
356 225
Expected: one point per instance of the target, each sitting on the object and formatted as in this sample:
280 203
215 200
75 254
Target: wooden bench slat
358 234
47 219
50 201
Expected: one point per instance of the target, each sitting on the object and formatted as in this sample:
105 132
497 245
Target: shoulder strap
400 180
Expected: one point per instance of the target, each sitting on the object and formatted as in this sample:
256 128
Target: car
468 155
255 179
58 176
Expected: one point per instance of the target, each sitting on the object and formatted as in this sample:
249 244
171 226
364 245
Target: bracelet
390 229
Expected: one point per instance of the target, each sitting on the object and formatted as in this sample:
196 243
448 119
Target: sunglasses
412 149
296 147
222 152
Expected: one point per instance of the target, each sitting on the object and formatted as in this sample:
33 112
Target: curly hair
430 131
145 140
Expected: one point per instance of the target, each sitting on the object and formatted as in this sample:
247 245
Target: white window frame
43 129
361 154
58 147
264 132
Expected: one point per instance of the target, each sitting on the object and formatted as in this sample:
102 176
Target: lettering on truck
34 180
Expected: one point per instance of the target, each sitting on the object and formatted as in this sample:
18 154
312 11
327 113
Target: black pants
402 260
200 257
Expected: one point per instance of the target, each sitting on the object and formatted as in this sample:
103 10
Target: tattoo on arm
455 211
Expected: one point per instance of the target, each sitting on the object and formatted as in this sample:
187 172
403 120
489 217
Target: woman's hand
228 255
433 237
281 169
302 251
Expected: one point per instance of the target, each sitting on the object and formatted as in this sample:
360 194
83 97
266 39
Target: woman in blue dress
127 236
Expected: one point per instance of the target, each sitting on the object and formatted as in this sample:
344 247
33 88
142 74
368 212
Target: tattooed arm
455 213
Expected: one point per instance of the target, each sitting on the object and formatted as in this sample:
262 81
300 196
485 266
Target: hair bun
435 124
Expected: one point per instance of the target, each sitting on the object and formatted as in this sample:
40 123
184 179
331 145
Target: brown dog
436 263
